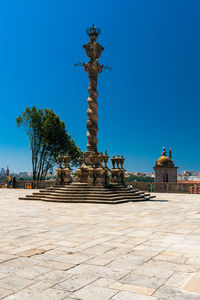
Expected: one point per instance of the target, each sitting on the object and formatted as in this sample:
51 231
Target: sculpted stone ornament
64 174
113 160
117 161
80 170
105 159
117 170
67 179
100 171
80 161
59 179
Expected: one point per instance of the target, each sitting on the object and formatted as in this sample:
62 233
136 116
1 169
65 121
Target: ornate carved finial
106 157
122 159
60 160
117 161
113 160
164 152
67 159
93 32
170 153
80 161
100 159
7 172
92 48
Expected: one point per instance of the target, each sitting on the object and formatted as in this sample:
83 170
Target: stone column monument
93 51
95 182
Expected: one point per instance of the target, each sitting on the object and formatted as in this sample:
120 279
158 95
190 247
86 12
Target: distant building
23 174
2 172
189 176
165 171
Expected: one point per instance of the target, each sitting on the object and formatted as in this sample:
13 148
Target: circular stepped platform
80 193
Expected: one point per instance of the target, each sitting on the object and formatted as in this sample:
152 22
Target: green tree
139 178
47 137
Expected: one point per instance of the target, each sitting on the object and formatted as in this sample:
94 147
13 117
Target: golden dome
164 161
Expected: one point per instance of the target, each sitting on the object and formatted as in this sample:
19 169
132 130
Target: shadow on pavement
156 200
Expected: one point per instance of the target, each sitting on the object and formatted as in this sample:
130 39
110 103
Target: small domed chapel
165 171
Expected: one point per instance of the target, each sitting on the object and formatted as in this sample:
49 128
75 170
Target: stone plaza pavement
142 250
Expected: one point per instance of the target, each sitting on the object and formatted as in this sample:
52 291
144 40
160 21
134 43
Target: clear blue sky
150 99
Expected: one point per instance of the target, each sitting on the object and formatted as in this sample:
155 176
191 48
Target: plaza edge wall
158 187
164 187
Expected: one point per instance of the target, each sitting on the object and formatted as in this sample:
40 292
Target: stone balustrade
158 187
167 187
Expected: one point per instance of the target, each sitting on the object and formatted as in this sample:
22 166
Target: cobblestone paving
145 250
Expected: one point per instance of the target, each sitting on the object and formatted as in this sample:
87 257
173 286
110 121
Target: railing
2 184
195 189
158 187
167 187
28 184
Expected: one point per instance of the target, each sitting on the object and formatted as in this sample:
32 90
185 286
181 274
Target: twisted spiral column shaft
93 68
92 114
93 51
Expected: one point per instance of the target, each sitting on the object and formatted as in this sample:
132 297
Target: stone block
193 285
93 291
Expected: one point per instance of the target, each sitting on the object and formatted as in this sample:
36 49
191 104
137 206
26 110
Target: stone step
89 193
88 197
93 191
82 200
92 194
77 192
96 187
105 190
102 201
106 193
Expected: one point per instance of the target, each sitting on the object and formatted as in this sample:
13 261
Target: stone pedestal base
92 170
67 179
63 176
117 176
83 174
59 179
93 176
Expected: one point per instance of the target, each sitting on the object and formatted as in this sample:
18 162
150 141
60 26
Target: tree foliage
139 178
47 137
